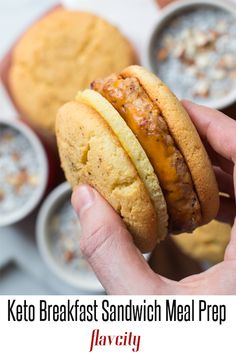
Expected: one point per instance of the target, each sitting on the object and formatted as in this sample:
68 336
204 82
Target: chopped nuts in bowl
58 238
23 171
193 50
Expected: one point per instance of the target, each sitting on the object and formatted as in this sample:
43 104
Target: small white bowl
78 280
40 155
178 8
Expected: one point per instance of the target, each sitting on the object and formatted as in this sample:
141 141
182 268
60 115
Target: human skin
108 246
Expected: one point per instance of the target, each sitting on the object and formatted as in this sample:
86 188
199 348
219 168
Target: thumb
109 248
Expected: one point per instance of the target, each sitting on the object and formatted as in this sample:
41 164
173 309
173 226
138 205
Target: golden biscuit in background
59 55
207 243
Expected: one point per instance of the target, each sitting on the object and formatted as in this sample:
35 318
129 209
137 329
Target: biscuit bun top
186 138
59 55
91 153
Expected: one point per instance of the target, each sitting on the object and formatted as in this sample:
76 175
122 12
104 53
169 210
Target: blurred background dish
207 243
193 50
23 171
58 236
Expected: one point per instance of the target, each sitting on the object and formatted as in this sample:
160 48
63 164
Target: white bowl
40 155
178 8
53 201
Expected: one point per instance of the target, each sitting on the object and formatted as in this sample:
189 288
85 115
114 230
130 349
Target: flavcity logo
128 339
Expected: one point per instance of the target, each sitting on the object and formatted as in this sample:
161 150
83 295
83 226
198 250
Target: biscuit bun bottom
91 153
141 107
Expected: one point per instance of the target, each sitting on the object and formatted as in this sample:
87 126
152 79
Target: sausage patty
144 118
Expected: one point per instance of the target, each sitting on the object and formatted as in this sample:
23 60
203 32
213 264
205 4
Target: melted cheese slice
135 151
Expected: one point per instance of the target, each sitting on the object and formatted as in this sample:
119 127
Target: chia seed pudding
64 231
195 54
19 170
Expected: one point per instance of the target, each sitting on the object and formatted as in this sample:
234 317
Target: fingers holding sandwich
109 248
219 131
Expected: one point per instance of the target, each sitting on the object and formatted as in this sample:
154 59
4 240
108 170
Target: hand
108 246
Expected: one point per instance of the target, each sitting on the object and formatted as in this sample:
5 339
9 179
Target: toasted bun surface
185 136
134 150
91 153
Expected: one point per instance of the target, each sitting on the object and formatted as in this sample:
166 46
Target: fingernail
83 198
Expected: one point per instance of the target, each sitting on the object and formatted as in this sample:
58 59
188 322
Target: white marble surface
21 268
